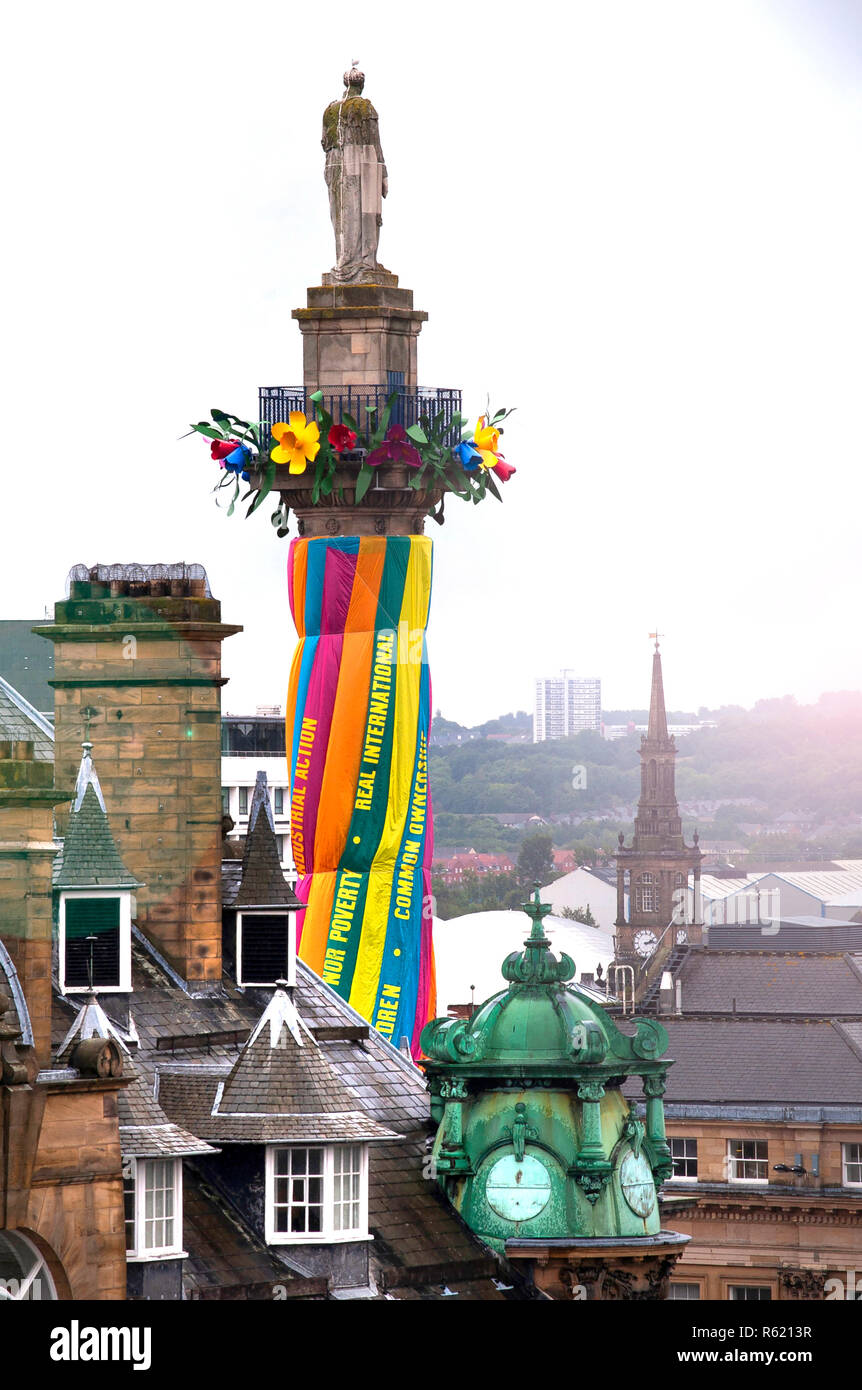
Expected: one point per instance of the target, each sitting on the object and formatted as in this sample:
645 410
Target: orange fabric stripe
315 930
344 752
300 569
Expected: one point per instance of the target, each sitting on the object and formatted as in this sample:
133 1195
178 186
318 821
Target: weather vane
656 635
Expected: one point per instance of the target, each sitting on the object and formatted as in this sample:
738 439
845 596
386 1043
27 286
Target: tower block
658 861
137 671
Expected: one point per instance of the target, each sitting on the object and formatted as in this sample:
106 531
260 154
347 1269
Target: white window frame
731 1292
734 1159
685 1284
647 899
33 1282
683 1157
290 964
125 899
846 1163
135 1171
328 1236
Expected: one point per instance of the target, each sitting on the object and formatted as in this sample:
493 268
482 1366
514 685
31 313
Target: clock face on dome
644 942
517 1189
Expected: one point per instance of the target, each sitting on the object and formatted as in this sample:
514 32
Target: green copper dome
535 1139
541 1024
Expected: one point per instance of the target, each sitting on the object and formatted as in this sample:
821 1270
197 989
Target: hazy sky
640 223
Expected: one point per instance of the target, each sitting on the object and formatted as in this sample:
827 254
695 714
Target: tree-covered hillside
789 756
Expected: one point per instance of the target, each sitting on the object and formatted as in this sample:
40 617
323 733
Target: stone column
359 335
452 1157
656 1138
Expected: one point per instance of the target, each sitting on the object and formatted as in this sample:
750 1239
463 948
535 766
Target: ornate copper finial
536 965
537 910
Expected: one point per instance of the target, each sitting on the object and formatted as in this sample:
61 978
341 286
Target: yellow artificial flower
487 440
298 442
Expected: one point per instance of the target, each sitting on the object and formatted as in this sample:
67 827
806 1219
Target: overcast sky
640 223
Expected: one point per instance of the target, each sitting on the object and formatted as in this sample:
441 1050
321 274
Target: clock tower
662 911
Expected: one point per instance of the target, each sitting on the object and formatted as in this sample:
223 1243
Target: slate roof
228 1261
814 986
740 1061
20 722
281 1089
419 1241
262 882
231 877
146 1131
90 857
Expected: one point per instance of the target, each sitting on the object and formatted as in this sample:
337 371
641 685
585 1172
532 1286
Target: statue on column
357 182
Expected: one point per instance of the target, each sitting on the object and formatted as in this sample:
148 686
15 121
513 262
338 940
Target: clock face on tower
644 942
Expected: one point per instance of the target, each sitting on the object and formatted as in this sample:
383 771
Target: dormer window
95 928
265 948
316 1194
153 1197
95 895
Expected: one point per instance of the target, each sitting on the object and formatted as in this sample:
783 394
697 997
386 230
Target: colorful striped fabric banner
358 716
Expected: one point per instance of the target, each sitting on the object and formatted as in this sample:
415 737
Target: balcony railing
410 407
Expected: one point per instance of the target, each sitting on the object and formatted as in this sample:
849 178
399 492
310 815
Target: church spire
657 727
658 861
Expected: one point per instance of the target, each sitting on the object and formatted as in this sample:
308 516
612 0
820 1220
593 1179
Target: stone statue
357 183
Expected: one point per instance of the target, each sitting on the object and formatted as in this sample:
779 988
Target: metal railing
411 405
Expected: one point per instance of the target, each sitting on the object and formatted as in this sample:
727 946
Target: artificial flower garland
425 448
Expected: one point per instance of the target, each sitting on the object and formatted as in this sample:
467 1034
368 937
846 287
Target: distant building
567 705
584 888
452 868
251 744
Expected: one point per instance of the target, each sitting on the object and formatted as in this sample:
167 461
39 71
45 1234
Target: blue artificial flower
467 455
236 462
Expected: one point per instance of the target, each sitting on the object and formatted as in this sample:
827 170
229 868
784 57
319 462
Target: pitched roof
417 1235
90 1021
742 1061
814 986
280 1088
19 721
262 882
146 1131
90 856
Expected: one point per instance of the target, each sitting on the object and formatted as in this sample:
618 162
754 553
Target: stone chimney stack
27 849
137 670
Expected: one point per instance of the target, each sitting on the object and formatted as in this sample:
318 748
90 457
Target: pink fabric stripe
303 888
425 951
337 588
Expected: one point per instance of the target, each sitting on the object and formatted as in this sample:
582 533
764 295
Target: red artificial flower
341 438
503 469
220 448
395 449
